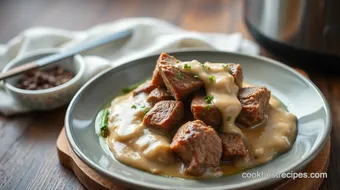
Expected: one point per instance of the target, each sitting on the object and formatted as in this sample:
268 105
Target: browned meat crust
164 59
208 113
146 87
232 145
254 101
164 116
237 72
198 145
159 94
178 83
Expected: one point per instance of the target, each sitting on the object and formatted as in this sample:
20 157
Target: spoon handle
18 70
65 54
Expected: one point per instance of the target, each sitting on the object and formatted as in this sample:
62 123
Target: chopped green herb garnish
196 76
179 75
142 107
104 132
208 99
229 118
146 110
132 87
212 78
186 66
177 61
225 66
208 107
133 106
204 66
104 122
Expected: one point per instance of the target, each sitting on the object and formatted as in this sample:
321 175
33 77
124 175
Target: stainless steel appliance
303 29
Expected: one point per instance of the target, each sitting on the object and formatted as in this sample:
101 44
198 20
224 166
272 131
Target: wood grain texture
28 158
89 178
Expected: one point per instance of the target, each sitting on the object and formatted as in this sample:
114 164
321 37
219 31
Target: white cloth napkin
149 36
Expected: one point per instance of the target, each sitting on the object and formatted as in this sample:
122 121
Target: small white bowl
51 98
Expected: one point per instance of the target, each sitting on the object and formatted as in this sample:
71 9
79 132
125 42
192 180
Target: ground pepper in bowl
44 79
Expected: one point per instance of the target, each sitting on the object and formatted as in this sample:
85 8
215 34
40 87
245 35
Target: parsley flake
196 76
179 75
104 131
208 107
146 110
205 67
229 118
212 78
225 66
208 99
186 66
133 107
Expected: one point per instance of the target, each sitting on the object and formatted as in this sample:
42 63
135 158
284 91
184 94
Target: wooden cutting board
92 180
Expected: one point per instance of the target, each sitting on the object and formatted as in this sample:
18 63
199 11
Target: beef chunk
232 145
254 101
208 113
198 145
159 94
146 87
164 116
178 83
164 59
236 71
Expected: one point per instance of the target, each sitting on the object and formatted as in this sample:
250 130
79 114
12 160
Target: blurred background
310 26
202 15
270 23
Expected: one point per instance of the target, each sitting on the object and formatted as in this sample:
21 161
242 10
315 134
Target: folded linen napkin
149 36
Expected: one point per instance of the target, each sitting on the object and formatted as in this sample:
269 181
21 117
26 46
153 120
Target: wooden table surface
28 158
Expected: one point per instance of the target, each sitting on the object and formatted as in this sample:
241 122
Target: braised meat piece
254 101
164 59
164 116
178 83
159 94
236 71
208 113
146 87
198 145
232 145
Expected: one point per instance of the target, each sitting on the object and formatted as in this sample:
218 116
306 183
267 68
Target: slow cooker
305 33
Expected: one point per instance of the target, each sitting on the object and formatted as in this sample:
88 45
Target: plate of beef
198 120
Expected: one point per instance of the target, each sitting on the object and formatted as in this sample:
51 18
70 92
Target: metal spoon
65 54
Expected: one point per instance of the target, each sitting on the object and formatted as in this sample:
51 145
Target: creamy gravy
270 139
131 142
220 84
134 144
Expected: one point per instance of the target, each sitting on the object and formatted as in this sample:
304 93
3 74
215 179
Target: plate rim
260 182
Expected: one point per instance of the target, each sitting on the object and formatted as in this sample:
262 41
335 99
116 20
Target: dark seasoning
45 79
